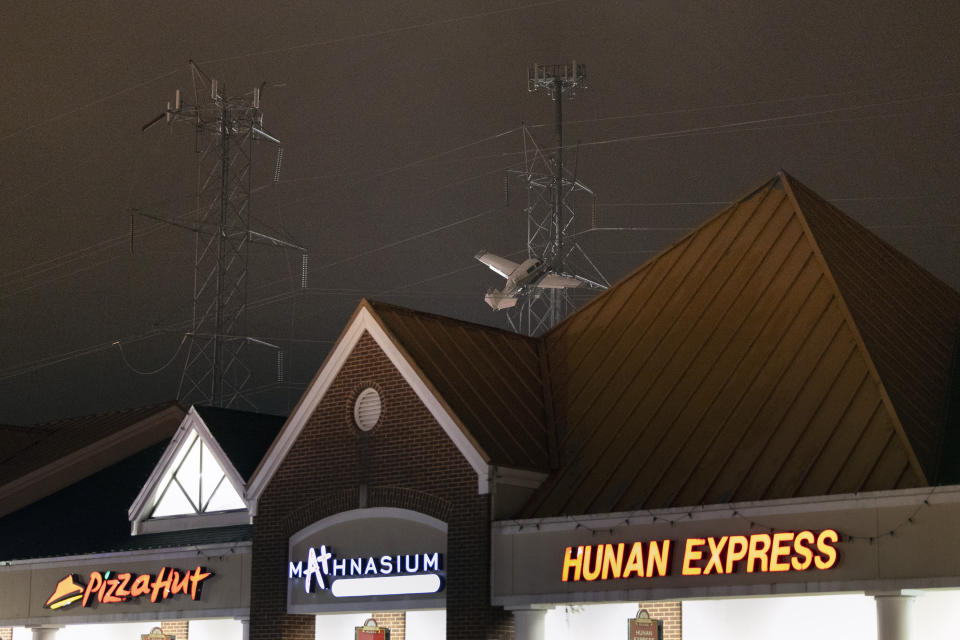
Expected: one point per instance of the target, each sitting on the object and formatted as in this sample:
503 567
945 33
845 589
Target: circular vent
366 410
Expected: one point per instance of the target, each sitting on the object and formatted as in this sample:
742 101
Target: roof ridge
443 318
649 262
828 271
100 414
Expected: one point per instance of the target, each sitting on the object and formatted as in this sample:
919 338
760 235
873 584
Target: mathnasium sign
385 575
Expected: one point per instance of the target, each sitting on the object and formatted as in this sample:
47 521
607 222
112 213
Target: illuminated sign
111 587
758 553
368 576
371 631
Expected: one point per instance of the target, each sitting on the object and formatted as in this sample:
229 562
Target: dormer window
195 483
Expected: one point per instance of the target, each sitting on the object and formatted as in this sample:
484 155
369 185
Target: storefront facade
199 582
766 409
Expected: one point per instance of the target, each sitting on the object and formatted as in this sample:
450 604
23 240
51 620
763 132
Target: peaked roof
491 379
778 350
90 516
70 450
908 319
55 440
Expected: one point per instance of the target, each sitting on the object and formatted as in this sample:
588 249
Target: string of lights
649 517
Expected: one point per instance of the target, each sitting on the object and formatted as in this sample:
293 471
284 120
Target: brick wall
180 629
406 461
396 621
6 633
671 613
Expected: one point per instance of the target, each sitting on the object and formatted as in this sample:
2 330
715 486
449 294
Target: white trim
364 321
166 614
756 508
101 446
139 511
725 591
520 477
378 603
364 514
194 521
134 555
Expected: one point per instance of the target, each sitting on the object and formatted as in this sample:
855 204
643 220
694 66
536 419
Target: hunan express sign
756 553
111 587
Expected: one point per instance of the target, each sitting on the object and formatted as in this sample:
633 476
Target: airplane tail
498 301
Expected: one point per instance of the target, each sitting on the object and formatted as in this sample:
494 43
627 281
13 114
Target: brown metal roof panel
717 397
579 339
769 396
645 351
588 428
455 386
798 449
15 438
668 312
909 479
858 465
650 418
63 437
506 383
804 390
835 449
732 367
609 344
908 319
749 387
714 383
485 377
888 468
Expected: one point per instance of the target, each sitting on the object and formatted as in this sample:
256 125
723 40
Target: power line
383 32
744 123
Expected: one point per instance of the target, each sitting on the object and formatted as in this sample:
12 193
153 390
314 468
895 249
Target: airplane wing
555 281
501 265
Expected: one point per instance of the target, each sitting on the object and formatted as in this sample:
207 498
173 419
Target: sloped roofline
650 261
57 470
366 320
138 511
787 181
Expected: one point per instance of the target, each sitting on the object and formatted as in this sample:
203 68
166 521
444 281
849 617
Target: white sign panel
367 558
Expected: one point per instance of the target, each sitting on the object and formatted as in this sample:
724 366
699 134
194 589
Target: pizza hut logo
111 587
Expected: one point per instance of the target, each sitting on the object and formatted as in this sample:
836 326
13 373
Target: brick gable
406 461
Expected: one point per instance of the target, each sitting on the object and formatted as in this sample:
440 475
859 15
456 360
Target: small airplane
522 277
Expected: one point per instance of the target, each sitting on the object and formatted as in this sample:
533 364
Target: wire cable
383 32
123 357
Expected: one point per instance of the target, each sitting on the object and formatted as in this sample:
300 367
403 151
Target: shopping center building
757 427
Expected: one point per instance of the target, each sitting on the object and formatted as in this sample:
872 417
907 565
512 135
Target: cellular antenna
537 295
227 130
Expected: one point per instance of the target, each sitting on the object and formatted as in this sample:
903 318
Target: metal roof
490 378
90 516
15 438
908 319
67 436
751 360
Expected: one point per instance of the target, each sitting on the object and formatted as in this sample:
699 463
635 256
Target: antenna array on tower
226 129
555 262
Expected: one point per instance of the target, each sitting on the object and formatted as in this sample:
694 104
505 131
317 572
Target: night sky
391 115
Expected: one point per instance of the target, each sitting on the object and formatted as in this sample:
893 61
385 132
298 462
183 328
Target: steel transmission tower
226 129
551 210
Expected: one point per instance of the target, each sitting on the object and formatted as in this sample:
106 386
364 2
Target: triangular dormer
194 485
